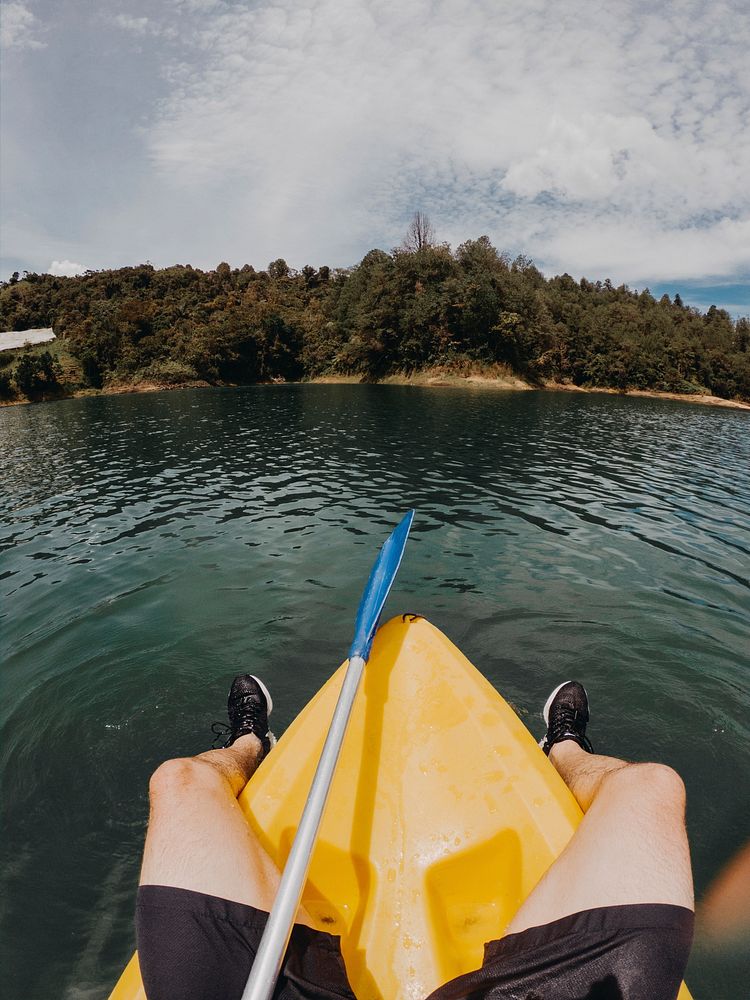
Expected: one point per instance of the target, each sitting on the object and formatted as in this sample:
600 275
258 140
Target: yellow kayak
443 815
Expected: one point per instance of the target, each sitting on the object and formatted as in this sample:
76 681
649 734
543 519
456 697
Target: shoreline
429 378
509 382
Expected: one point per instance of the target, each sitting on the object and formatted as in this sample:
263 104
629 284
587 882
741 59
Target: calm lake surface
154 546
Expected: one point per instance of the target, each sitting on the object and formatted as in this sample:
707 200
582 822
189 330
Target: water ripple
153 546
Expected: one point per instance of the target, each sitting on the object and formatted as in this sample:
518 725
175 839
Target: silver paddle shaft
267 965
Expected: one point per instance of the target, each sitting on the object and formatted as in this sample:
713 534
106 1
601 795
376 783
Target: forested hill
394 312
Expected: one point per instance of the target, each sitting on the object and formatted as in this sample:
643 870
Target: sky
606 140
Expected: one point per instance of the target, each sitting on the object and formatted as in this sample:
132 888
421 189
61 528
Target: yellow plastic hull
443 815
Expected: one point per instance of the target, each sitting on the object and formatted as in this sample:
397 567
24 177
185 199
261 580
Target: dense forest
420 306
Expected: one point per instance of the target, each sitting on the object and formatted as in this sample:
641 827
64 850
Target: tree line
419 306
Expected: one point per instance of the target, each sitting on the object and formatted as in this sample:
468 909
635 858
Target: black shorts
197 947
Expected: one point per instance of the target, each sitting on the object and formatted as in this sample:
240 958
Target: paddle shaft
268 961
270 957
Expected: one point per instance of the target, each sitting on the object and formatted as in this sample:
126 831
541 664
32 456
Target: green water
153 546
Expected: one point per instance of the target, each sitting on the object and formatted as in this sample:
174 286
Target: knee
664 783
183 776
655 782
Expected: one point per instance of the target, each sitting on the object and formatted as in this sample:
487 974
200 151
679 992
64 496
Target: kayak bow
443 815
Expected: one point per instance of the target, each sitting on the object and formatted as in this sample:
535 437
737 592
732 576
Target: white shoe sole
548 703
266 693
269 702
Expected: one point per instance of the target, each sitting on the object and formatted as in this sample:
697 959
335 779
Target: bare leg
723 915
198 837
631 846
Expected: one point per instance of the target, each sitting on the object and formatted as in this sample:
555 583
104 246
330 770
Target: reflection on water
154 545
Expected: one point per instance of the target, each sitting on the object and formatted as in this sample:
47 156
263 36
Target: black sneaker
566 714
248 707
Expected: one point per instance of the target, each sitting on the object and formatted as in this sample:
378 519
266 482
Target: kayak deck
443 815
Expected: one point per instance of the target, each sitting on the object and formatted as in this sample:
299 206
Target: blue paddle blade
378 586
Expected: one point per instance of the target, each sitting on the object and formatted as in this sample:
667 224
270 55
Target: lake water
155 545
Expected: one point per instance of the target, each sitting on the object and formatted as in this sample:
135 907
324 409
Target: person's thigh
631 847
198 838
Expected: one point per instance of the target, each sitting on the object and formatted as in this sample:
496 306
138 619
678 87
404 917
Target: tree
278 268
397 311
35 373
419 235
310 275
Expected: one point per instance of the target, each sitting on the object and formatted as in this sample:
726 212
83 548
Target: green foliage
418 306
167 372
36 374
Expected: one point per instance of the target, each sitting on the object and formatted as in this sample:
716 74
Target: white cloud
198 6
143 26
601 139
17 27
138 25
65 268
645 251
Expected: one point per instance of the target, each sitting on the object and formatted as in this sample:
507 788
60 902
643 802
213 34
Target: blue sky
602 140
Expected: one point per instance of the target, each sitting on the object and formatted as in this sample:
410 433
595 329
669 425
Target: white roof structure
19 338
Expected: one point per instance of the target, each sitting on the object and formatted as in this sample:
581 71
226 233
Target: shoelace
566 723
221 731
245 712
